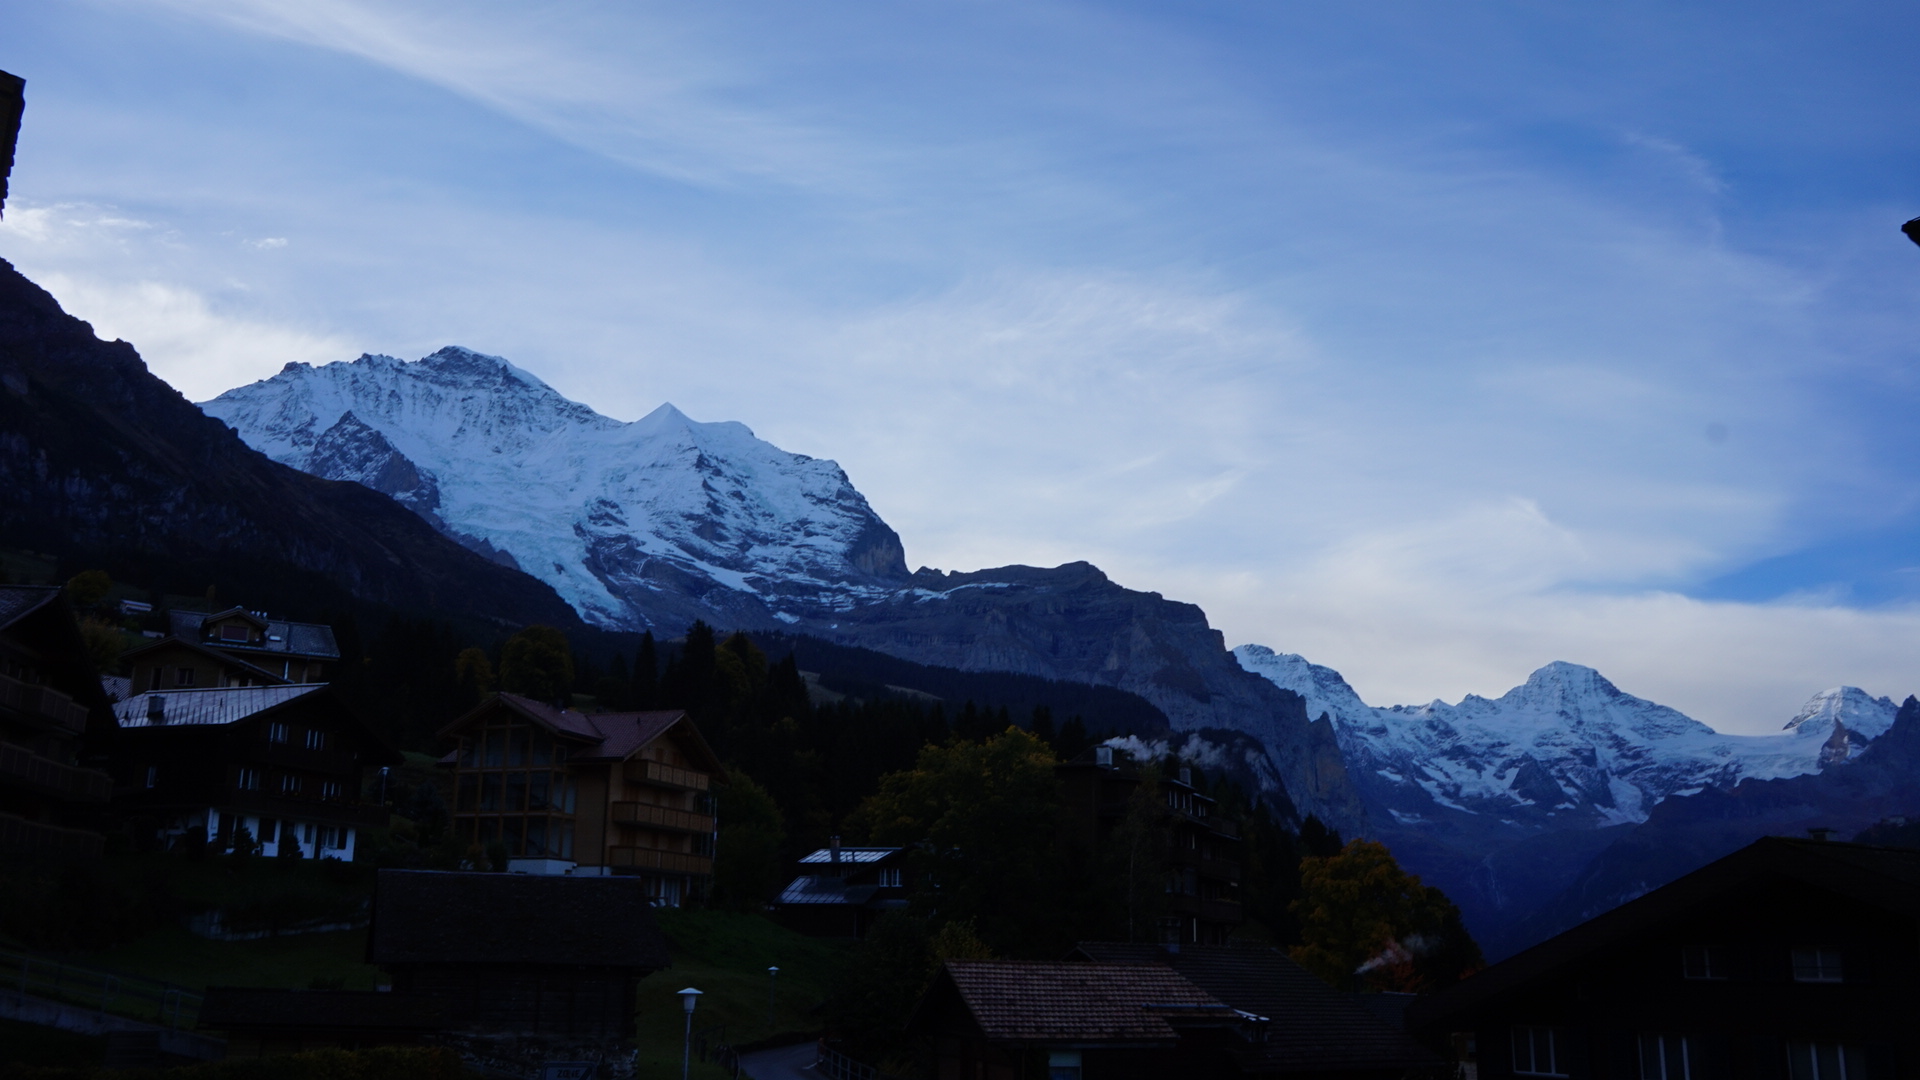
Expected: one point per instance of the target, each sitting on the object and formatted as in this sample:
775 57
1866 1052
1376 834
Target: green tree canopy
88 587
537 663
1364 920
747 870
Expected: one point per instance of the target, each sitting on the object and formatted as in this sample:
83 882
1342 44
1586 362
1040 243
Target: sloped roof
615 736
215 655
1312 1027
1887 877
295 638
216 705
19 601
226 1008
852 855
1012 1001
444 917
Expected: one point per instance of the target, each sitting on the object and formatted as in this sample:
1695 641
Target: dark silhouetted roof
19 601
614 736
240 1008
1888 878
438 917
1013 1001
1312 1027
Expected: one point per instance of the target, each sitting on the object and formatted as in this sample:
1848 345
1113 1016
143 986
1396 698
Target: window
330 789
1063 1065
1666 1057
183 676
249 779
1816 965
316 740
154 682
1537 1051
235 632
1825 1061
289 784
153 774
276 732
890 877
1703 962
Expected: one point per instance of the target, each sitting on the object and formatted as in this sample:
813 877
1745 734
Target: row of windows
280 733
513 792
523 837
1809 965
322 837
1542 1051
255 779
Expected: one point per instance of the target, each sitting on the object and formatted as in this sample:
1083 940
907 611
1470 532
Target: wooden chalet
566 792
1789 959
1309 1029
173 663
292 652
518 953
287 762
51 707
841 891
1008 1020
1203 847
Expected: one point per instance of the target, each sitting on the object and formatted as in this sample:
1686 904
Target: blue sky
1435 342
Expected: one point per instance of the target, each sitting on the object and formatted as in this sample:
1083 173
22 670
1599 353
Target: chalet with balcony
286 762
1788 959
841 891
1202 846
51 707
584 794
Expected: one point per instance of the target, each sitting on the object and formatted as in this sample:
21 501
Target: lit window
1666 1057
1703 962
1825 1061
1816 965
1537 1050
277 732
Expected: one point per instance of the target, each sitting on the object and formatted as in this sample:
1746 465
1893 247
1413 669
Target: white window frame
1655 1057
249 778
1803 1060
316 739
1530 1064
277 732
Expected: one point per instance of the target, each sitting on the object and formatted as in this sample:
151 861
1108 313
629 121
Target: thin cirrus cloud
1433 346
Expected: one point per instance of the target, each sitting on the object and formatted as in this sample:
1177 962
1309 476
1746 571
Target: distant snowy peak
1566 748
648 524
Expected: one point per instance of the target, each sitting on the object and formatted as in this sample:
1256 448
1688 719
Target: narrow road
781 1063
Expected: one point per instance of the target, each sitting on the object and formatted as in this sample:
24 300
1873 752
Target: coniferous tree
646 674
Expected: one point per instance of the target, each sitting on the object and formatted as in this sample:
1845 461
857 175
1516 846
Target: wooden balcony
666 776
43 703
671 862
22 766
20 836
661 817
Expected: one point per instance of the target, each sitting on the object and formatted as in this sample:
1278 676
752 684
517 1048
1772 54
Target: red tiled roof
1067 1002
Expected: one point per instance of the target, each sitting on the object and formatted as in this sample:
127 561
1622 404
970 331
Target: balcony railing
20 836
43 774
653 772
673 862
44 702
661 817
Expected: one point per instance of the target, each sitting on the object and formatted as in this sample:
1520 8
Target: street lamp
773 976
687 997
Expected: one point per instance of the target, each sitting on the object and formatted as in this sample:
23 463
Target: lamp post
687 997
773 976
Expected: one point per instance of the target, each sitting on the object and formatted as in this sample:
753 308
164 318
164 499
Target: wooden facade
172 664
565 792
288 763
1202 847
1789 959
51 707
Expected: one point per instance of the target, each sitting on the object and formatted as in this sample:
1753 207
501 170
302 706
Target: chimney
1186 776
1103 755
1821 833
836 851
156 709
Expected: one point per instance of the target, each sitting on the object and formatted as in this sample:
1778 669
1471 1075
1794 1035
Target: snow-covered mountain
638 525
1567 748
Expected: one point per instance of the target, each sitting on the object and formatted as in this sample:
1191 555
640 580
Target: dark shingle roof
293 638
1063 1003
1312 1026
615 736
439 917
19 601
229 1008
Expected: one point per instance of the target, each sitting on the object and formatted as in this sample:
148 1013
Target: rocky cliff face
103 462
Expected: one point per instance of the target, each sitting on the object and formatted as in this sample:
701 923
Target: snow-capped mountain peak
647 524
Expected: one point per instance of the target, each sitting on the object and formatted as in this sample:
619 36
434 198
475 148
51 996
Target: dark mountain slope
104 464
1684 833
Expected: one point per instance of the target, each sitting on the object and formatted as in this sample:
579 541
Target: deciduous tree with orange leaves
1366 923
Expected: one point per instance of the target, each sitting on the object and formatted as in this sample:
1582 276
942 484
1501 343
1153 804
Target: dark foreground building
1789 959
518 953
259 1022
51 704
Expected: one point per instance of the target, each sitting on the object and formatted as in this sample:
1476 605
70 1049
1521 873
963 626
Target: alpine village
292 784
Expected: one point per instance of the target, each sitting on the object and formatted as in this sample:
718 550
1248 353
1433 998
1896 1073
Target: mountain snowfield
627 521
1566 749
